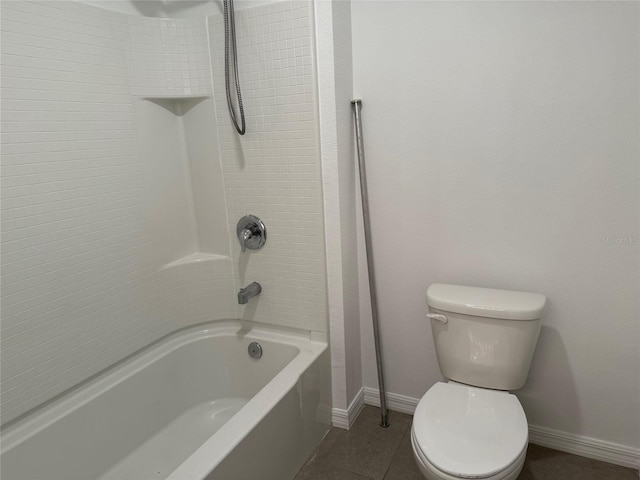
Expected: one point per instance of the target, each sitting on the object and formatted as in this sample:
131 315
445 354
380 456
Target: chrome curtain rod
357 106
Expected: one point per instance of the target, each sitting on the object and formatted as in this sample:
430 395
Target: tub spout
249 291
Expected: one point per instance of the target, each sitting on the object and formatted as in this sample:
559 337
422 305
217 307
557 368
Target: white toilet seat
432 473
462 432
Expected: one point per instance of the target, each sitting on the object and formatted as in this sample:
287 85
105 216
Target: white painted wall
343 64
502 147
335 85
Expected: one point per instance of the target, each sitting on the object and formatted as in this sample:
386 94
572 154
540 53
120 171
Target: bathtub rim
214 450
310 344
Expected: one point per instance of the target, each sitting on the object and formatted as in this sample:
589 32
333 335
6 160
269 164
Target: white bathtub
193 405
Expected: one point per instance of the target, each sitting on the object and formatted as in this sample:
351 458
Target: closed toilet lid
469 432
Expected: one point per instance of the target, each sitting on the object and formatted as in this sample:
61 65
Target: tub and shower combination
123 181
193 405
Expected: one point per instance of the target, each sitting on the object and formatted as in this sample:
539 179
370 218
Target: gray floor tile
369 452
332 436
322 471
546 464
403 466
367 449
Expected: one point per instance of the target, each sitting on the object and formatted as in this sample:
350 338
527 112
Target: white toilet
472 427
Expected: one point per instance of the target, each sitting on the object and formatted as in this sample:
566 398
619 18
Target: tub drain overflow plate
255 350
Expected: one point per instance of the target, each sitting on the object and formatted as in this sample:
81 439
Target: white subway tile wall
168 57
81 285
78 277
274 170
199 292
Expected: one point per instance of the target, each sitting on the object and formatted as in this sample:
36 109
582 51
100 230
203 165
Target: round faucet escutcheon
251 232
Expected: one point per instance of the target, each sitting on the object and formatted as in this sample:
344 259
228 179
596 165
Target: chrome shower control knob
252 233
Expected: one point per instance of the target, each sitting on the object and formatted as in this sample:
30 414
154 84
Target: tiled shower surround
83 282
275 174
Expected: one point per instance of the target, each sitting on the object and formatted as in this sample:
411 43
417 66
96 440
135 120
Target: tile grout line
395 454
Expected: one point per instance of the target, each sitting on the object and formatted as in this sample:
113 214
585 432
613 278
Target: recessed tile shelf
184 188
160 98
177 104
196 257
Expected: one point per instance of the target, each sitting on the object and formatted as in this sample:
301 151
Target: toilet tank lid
486 302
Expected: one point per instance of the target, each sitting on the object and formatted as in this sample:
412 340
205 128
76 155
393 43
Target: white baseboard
546 437
344 418
585 446
395 402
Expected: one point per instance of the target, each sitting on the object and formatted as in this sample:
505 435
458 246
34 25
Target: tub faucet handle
243 237
252 233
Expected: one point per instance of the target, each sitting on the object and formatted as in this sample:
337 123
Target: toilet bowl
462 432
472 427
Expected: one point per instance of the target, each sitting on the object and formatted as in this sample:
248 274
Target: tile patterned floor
368 452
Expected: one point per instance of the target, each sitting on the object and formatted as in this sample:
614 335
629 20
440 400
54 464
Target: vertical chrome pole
357 105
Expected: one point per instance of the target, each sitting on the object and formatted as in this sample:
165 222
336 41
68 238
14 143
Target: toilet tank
485 337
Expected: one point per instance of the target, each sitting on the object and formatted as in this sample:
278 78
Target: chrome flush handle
438 317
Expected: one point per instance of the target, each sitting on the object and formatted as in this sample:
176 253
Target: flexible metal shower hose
230 41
